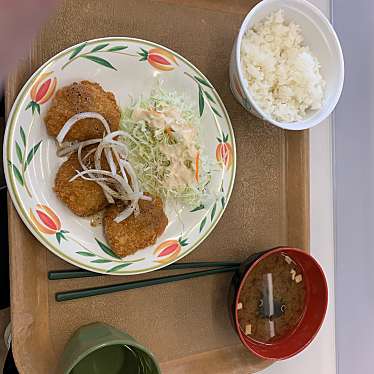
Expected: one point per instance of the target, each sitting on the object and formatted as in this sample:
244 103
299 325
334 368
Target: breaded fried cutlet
81 196
135 233
77 98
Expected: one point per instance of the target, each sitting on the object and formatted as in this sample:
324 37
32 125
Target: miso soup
272 299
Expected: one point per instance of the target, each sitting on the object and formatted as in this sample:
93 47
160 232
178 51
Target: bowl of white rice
287 65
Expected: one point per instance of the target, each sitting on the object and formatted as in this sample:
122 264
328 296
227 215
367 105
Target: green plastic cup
101 349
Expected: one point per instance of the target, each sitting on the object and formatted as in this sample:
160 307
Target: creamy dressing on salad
181 154
180 174
170 118
158 118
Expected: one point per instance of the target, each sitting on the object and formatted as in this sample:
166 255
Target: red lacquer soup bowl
316 299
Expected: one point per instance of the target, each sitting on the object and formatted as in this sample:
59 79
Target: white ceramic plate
124 66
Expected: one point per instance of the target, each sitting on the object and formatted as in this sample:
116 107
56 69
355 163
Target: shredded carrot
197 167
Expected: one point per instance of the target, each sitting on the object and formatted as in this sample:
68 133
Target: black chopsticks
219 267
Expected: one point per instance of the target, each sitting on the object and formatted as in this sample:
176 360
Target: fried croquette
135 233
81 196
77 98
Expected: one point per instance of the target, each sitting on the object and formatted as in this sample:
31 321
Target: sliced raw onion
114 185
125 214
109 157
77 117
123 172
65 149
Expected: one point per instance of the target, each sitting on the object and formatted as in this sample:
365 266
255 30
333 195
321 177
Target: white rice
283 75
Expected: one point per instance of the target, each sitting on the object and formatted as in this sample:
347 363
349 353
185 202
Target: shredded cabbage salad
164 147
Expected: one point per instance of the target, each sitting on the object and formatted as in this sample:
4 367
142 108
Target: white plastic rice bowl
324 45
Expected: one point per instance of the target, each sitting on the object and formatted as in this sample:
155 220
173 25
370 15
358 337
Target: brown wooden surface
185 324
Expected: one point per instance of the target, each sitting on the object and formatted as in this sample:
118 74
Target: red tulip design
159 58
224 152
41 91
47 222
169 250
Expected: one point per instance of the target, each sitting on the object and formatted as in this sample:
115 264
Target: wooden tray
185 324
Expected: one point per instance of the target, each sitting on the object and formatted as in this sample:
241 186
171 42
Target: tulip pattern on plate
169 250
158 58
92 54
211 211
224 153
205 97
95 258
41 91
24 157
47 222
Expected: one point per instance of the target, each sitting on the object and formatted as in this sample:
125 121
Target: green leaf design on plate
17 173
106 249
118 267
32 153
19 153
99 61
225 138
201 101
183 242
203 81
101 261
143 55
202 224
77 50
223 201
23 136
99 47
60 235
201 206
213 212
216 111
29 105
86 254
34 106
209 96
117 48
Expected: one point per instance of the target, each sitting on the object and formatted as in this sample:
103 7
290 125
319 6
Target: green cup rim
108 344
